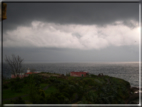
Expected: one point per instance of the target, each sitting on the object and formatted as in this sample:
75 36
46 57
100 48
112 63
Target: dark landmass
51 88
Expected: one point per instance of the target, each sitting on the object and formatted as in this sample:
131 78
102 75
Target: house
22 75
78 74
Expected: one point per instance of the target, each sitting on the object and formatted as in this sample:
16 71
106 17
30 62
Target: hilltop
52 88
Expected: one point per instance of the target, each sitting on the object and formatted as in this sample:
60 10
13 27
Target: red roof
24 75
78 73
31 72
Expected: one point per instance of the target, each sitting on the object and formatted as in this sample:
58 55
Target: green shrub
18 101
41 93
5 86
66 94
25 80
92 75
88 81
12 82
91 96
62 98
52 99
37 97
17 79
57 98
68 75
16 87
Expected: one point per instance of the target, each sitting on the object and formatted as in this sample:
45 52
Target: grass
50 90
8 93
70 78
43 85
85 87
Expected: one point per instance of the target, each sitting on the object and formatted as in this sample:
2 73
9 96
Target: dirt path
45 88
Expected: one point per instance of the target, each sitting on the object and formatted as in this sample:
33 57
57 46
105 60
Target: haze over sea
127 71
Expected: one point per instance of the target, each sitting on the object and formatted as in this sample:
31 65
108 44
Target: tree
15 64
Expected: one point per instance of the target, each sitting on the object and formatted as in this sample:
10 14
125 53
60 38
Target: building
22 75
28 70
78 74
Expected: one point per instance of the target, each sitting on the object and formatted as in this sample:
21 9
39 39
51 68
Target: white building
28 70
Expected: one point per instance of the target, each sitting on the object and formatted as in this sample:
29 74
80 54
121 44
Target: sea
125 70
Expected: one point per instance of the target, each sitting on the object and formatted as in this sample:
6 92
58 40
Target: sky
72 32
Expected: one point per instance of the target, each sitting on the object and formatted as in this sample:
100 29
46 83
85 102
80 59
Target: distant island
74 88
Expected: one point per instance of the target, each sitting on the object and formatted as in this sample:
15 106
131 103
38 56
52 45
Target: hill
51 88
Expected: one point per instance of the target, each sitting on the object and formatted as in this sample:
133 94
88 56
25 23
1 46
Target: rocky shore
134 96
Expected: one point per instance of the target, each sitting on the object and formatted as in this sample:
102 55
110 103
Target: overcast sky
72 32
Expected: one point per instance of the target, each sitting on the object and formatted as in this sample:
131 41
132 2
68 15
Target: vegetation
15 64
59 89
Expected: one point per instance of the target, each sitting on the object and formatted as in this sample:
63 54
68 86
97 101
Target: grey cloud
77 35
110 54
71 36
70 13
130 24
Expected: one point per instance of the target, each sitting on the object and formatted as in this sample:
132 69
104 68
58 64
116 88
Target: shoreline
132 84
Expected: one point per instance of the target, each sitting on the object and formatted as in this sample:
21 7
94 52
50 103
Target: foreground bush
18 101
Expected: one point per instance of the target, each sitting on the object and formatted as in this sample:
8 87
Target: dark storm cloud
70 13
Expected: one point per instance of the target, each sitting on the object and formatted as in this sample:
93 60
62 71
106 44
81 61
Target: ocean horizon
128 71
